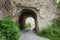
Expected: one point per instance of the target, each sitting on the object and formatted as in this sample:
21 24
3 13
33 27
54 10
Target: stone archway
25 13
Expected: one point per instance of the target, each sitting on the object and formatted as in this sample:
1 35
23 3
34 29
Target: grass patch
53 30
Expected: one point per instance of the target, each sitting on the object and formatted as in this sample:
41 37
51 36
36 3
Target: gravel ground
28 34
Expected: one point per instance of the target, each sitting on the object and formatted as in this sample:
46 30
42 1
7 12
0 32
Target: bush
9 30
28 25
58 4
53 30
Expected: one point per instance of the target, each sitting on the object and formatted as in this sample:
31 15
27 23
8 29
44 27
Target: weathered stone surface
45 10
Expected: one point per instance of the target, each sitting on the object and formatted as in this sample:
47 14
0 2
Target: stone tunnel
25 13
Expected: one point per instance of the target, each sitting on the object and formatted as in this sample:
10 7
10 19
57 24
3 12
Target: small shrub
9 30
28 25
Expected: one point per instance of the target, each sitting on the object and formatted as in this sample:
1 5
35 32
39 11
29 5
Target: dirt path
28 34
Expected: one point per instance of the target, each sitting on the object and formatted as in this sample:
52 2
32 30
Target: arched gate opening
25 13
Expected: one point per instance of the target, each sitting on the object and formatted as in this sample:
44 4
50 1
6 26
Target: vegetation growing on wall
9 30
58 4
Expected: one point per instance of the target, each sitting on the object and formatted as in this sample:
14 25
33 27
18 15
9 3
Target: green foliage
28 25
53 31
58 4
9 30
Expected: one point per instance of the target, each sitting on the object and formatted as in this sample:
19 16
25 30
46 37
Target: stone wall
45 10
